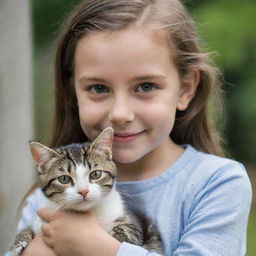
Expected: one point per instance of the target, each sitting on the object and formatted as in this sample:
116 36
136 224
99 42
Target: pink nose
83 192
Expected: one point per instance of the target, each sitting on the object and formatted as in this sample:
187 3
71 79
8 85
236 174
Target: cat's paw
19 247
130 233
119 233
21 241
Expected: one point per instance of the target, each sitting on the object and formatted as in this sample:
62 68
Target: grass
251 233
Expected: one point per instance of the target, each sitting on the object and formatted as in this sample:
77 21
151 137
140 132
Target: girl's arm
218 216
27 218
213 216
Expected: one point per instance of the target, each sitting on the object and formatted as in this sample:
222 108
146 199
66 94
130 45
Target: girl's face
128 81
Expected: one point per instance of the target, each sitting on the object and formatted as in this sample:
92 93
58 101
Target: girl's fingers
46 214
45 230
48 241
46 235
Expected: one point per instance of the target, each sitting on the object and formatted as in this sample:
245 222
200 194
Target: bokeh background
226 27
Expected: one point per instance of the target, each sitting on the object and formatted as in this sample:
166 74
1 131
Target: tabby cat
81 177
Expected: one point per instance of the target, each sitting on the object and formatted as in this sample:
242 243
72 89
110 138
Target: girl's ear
188 89
104 142
41 154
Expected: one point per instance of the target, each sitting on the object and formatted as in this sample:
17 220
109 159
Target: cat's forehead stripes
76 154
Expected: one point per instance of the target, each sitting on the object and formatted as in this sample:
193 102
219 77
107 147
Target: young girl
135 65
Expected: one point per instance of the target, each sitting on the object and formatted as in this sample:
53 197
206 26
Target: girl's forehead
130 47
125 36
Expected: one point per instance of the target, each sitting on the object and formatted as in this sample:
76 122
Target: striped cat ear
104 142
41 153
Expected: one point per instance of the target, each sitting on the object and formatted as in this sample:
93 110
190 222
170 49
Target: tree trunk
15 113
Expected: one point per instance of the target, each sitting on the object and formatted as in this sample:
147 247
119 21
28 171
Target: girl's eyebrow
133 79
148 77
92 79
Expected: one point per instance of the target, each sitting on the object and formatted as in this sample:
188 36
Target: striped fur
81 177
79 163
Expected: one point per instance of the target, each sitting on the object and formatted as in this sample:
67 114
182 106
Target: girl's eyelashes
146 87
98 89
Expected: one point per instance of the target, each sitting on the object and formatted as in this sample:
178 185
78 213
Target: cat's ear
41 154
104 142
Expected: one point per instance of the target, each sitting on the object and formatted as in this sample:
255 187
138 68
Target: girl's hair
193 126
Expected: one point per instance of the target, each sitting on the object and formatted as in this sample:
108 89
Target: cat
81 177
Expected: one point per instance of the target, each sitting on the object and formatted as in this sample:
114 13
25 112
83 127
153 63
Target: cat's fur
89 174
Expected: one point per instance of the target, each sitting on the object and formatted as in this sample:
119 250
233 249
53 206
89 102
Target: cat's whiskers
80 177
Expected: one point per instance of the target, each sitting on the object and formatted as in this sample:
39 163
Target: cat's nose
83 192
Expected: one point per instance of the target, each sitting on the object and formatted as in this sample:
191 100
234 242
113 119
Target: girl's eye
95 175
146 87
98 89
64 179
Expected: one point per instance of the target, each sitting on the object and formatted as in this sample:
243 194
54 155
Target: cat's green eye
95 175
64 179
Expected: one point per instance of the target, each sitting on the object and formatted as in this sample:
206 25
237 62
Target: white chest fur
36 227
110 209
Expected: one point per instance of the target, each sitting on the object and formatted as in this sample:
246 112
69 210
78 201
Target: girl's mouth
122 137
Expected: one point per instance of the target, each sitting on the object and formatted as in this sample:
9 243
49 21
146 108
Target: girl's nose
121 111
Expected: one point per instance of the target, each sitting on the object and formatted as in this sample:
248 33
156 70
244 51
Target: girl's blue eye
98 89
146 87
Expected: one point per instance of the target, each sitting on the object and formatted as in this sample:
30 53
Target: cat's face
77 176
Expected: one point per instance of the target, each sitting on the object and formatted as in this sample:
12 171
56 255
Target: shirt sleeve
28 213
217 221
218 218
131 249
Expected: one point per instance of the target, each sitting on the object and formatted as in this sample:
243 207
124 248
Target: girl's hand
38 247
77 234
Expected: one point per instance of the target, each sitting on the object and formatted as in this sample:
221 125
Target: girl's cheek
92 119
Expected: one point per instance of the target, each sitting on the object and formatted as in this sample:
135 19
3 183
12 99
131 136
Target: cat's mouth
83 205
83 199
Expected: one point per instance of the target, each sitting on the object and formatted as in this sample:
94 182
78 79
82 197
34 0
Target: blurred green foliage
47 18
251 234
48 15
227 27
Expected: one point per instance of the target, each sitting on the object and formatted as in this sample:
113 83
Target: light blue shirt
200 205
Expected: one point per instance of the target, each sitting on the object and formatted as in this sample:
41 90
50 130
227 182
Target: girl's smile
127 80
126 137
134 65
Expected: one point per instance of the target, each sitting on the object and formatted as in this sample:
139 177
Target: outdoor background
226 27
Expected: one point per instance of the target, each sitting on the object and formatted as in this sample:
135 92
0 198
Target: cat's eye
64 179
95 175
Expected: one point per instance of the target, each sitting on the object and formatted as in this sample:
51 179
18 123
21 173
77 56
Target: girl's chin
125 159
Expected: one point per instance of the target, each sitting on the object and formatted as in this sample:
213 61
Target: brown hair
193 126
